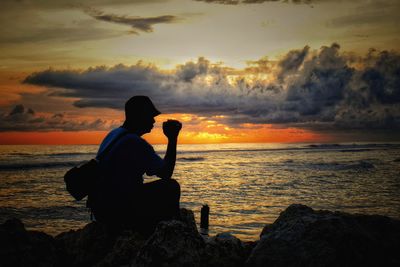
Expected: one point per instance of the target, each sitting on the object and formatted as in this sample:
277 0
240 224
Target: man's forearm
169 159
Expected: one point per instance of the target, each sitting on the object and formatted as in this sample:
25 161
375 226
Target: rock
173 243
95 245
224 250
187 217
124 250
304 237
19 247
299 237
87 246
127 246
266 229
178 243
248 247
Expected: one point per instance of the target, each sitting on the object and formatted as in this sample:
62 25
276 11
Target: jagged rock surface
299 237
86 246
172 244
304 237
124 250
225 250
19 247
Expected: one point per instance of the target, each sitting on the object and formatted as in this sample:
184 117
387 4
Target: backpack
81 180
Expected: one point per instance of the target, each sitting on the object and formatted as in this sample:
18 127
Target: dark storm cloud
316 89
292 61
191 69
331 92
23 119
137 23
383 78
101 86
321 84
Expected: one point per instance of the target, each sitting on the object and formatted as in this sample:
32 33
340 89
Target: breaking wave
191 158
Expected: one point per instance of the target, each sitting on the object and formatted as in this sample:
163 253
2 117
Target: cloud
25 26
25 119
320 85
369 14
101 86
30 22
236 2
136 23
292 61
59 34
63 4
315 89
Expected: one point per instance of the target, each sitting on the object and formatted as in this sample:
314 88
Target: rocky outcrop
19 247
124 250
304 237
86 246
172 244
226 250
299 237
177 244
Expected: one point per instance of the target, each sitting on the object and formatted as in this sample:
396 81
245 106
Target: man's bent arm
169 160
171 130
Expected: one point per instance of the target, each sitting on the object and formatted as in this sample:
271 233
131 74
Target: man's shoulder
114 133
109 139
131 139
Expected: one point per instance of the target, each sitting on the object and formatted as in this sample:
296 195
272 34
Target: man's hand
171 128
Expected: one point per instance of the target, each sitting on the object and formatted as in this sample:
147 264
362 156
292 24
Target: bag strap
110 145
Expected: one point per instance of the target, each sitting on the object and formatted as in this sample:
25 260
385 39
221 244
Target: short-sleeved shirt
129 158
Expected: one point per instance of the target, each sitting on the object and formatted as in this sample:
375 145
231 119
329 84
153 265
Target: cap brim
156 112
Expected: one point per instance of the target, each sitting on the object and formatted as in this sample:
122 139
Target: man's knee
172 186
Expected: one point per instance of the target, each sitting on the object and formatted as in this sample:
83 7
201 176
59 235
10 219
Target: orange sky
263 135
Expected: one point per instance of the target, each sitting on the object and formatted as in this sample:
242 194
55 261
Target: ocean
245 185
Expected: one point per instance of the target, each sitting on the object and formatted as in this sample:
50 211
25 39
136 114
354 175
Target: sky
231 71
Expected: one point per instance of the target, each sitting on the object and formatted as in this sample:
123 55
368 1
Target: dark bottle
205 211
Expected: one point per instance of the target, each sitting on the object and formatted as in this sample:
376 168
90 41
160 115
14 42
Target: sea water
245 185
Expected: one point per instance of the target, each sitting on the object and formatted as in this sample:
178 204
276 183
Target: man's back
128 159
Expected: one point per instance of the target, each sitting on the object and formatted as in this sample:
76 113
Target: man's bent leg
159 201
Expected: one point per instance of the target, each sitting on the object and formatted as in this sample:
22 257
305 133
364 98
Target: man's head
140 113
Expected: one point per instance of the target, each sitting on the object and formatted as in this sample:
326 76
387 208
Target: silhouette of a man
122 200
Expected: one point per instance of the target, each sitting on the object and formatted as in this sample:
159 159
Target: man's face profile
145 123
140 113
